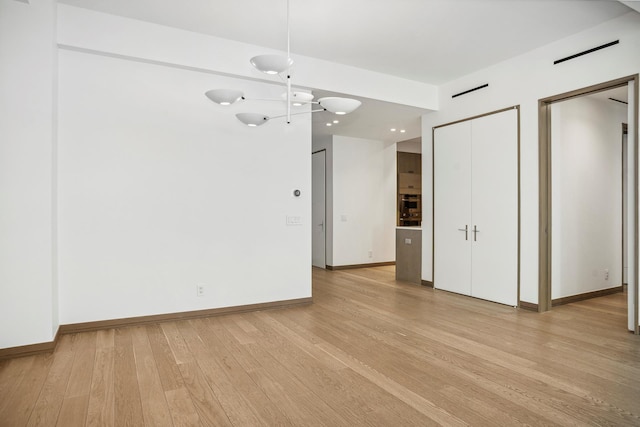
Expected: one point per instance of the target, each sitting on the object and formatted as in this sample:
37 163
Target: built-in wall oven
410 209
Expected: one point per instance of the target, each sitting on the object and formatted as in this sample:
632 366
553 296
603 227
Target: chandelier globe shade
338 105
271 64
252 119
298 99
224 96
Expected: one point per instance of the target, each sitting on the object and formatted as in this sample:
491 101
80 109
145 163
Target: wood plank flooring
368 351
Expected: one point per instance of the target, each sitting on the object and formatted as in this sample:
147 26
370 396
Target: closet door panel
494 178
452 207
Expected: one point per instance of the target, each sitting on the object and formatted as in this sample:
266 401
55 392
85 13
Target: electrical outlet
606 274
200 290
370 254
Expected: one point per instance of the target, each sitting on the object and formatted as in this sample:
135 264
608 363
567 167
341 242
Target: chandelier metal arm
297 114
278 100
289 62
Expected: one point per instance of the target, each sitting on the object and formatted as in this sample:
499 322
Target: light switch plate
294 220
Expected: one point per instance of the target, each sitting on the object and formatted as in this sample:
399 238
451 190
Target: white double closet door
476 207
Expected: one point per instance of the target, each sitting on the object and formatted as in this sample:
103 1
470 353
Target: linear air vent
586 52
617 100
470 90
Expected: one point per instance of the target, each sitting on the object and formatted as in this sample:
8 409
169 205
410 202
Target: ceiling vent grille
470 90
617 100
586 52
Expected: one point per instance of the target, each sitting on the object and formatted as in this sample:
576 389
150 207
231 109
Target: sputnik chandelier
281 66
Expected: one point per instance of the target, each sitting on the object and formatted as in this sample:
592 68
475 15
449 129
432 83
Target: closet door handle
475 233
466 232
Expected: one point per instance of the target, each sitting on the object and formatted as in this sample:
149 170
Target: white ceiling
432 41
373 120
620 94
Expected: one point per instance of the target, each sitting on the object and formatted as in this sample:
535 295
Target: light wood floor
369 351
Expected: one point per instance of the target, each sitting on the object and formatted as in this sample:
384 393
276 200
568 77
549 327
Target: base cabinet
409 255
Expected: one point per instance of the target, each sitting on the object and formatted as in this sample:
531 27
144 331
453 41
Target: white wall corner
633 4
27 106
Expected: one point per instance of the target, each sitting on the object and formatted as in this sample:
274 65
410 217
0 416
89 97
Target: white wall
364 201
148 172
523 81
586 166
161 189
28 303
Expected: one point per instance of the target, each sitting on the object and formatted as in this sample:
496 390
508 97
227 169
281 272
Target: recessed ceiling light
393 129
336 121
328 124
402 131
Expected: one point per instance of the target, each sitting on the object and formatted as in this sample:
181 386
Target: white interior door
494 203
318 209
452 208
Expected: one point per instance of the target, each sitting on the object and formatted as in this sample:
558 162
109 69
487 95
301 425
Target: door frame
325 207
624 155
544 171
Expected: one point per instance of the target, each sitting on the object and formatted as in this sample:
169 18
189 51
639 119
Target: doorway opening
576 241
